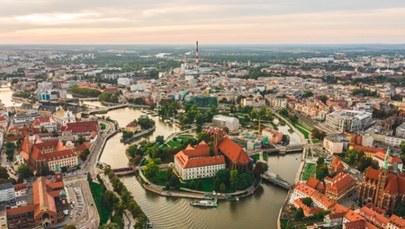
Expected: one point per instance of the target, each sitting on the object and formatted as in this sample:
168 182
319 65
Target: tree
160 140
234 178
3 173
308 94
403 146
323 98
151 169
400 210
81 140
260 168
307 201
226 129
110 226
283 112
320 161
24 171
222 187
299 214
212 151
44 171
174 182
83 154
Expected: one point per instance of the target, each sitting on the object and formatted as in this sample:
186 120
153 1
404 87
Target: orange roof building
339 186
51 154
196 162
46 209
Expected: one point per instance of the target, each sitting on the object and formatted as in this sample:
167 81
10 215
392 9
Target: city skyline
210 22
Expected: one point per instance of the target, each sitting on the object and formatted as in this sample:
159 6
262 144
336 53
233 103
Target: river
257 211
6 97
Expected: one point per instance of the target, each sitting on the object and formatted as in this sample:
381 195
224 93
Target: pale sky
209 21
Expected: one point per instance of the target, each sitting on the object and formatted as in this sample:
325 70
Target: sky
208 21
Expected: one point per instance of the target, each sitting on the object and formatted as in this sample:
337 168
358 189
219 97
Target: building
46 209
382 188
124 81
400 131
339 186
396 222
278 103
275 136
6 192
196 162
63 117
133 127
86 129
49 154
349 120
222 121
235 155
335 144
45 123
395 163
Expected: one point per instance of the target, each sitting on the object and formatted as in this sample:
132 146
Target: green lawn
265 156
207 184
315 140
179 139
104 213
303 130
309 171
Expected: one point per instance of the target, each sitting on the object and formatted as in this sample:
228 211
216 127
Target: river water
257 211
6 97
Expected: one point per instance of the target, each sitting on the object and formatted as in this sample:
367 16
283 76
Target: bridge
287 149
124 171
105 110
276 180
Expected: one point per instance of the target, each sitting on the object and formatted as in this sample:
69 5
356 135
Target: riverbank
304 141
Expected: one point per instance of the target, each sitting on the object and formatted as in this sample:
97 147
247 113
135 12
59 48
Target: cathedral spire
387 155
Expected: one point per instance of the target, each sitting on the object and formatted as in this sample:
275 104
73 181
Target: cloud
181 21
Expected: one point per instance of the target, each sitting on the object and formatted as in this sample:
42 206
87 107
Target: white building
278 103
400 131
195 162
6 192
225 121
63 117
349 120
124 81
335 144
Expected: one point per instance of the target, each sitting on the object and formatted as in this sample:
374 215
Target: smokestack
196 55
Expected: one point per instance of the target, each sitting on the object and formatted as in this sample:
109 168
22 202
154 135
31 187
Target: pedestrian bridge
124 171
276 180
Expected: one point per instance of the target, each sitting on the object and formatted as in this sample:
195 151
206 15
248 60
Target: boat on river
204 203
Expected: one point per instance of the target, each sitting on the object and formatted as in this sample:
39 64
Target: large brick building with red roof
235 156
382 188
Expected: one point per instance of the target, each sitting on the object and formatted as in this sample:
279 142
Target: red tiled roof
187 162
340 183
316 184
352 216
391 159
21 210
42 119
20 186
372 173
81 127
84 146
397 221
233 151
370 214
